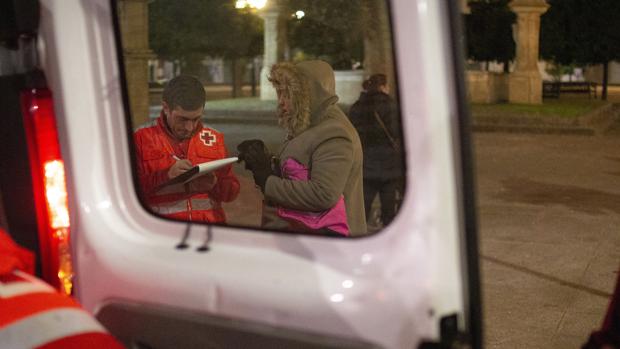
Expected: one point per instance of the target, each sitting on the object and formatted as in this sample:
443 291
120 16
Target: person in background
34 315
314 184
608 337
375 116
172 145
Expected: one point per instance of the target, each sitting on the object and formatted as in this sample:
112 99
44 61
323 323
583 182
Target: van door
161 282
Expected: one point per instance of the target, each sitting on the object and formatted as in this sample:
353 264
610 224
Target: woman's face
284 103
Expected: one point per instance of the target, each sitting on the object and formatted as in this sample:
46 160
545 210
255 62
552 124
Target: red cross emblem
207 138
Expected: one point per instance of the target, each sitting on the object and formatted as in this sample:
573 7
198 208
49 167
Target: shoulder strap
386 131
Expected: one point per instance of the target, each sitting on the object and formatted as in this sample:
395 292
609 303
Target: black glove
257 159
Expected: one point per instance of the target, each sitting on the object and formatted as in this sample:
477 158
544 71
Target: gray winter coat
327 144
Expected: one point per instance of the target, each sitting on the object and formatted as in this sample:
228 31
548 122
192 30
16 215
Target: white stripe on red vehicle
48 326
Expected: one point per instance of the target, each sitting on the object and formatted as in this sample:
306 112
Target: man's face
182 122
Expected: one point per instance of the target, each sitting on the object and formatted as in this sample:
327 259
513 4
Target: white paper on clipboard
200 169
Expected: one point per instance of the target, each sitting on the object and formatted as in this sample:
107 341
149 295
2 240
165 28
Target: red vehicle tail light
48 178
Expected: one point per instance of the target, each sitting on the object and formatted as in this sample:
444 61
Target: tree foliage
555 26
581 32
330 30
489 31
189 30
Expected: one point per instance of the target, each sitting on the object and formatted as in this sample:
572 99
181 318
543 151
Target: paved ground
549 212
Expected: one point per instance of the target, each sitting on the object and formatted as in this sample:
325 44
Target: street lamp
253 6
257 4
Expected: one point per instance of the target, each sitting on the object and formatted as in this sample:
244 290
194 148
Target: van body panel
390 289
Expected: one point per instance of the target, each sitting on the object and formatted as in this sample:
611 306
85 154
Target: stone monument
525 82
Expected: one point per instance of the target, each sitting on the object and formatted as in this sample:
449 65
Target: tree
330 30
343 32
489 31
189 30
582 32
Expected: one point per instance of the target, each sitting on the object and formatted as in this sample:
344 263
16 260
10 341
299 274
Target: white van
66 100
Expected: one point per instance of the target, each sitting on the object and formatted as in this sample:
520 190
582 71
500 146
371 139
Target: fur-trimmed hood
312 88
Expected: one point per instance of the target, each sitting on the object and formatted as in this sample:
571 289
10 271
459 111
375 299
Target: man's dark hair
184 91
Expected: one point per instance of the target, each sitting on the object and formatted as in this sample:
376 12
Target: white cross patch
207 138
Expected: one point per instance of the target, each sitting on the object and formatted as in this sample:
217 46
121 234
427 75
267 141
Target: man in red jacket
172 145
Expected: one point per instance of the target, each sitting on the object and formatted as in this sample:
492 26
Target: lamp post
269 10
274 42
256 4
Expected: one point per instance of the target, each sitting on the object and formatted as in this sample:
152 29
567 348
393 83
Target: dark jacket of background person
381 160
608 337
375 116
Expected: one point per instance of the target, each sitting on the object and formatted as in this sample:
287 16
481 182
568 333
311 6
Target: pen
175 157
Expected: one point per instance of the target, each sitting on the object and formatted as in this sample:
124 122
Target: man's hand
257 159
203 183
179 167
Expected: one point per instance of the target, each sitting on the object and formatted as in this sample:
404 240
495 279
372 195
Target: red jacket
34 315
156 151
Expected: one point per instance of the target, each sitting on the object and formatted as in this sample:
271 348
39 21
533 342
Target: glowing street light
300 14
257 4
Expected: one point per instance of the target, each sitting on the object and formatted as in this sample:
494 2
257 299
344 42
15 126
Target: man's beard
184 135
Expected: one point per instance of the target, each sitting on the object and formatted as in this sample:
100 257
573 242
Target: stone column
525 82
273 47
134 22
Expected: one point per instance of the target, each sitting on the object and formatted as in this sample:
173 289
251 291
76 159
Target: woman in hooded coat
315 182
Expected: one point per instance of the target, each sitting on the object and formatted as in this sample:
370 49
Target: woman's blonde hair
286 79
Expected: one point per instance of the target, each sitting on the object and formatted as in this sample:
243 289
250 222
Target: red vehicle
36 315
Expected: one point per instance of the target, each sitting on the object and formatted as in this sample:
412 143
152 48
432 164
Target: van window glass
280 115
